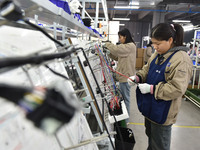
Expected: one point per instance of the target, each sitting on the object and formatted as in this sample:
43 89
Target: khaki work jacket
147 53
125 54
177 77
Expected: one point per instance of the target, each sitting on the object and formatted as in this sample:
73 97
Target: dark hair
125 32
163 31
191 46
150 43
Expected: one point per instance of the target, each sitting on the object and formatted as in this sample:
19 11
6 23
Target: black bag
127 142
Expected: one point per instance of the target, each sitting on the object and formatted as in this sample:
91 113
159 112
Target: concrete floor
185 133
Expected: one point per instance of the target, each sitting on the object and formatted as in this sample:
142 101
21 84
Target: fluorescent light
126 7
134 3
188 28
121 24
181 21
152 3
125 19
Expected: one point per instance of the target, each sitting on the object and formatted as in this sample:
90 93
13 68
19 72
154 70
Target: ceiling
171 9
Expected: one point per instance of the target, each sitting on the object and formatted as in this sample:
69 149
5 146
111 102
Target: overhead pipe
153 10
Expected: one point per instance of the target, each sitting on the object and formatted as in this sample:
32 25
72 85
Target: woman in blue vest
161 84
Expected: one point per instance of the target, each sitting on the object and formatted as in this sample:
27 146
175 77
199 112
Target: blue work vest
155 110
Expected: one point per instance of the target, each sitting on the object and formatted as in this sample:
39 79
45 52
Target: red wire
117 71
114 101
104 75
113 69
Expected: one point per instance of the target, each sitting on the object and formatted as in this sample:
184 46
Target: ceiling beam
128 13
185 10
143 14
180 1
174 14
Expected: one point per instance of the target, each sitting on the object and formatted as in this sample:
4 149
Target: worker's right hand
132 80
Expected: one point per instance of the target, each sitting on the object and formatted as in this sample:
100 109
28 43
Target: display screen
198 35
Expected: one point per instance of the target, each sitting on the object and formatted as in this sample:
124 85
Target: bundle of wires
108 80
114 103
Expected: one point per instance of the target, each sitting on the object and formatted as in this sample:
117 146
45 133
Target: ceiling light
152 3
121 24
126 7
181 21
188 28
134 3
125 19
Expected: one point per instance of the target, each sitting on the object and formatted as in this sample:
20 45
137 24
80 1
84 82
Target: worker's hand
146 88
106 50
106 41
132 80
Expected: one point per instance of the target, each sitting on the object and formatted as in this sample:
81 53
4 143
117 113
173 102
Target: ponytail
178 41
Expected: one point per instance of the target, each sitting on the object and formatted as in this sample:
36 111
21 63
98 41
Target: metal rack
49 13
192 93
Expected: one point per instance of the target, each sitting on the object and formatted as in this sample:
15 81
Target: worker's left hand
146 88
106 50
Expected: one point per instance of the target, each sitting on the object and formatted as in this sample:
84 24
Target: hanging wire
105 61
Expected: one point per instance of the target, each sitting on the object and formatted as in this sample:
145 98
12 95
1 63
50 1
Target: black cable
116 123
110 110
74 76
53 105
102 95
40 29
56 73
97 105
16 14
18 61
109 63
15 92
43 31
10 61
56 41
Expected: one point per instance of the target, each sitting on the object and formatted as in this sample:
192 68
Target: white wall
113 31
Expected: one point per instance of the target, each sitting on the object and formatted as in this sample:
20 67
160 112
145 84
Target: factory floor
185 133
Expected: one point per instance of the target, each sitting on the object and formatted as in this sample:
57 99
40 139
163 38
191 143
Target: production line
58 86
38 101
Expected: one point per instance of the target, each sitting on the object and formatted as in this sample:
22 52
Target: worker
125 54
147 52
192 50
162 83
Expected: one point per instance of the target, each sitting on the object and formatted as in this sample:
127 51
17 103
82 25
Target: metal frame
89 97
195 69
49 13
105 10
